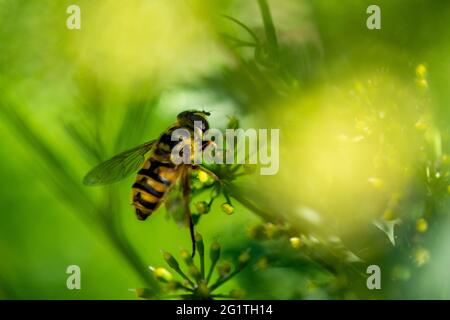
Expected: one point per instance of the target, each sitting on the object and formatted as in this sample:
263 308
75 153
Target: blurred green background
364 148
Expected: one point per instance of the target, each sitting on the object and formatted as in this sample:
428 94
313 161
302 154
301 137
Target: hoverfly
157 174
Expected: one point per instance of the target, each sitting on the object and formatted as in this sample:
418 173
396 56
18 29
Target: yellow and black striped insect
158 174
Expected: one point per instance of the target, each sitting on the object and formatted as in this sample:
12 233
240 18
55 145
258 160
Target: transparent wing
118 167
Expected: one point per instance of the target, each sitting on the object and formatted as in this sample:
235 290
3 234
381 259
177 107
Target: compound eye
196 118
182 115
205 125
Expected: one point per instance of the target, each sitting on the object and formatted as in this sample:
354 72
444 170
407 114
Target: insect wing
118 167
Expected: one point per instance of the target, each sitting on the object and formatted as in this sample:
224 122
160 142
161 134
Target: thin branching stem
185 277
222 280
269 27
211 270
239 42
250 31
202 264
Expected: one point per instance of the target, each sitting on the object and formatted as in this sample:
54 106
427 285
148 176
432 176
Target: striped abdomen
152 183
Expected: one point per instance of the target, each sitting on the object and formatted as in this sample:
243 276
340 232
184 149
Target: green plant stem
250 31
239 42
202 264
246 203
269 27
211 270
187 288
184 276
221 281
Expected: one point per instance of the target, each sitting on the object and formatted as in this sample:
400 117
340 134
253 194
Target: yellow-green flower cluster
196 282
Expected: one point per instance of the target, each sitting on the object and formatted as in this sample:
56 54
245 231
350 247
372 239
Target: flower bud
171 261
421 225
243 259
270 230
162 274
421 124
214 252
262 264
237 294
227 208
421 256
256 232
296 242
199 244
145 293
202 207
421 71
388 215
224 269
186 256
202 176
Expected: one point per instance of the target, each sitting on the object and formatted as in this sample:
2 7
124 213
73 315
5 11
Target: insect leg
187 210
